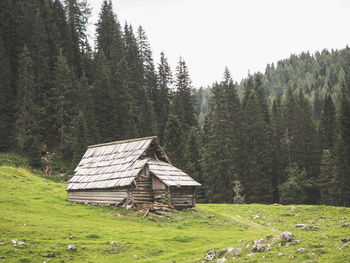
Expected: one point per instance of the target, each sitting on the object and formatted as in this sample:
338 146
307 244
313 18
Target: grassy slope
35 210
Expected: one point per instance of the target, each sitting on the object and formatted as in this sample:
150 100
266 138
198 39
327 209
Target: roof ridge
123 141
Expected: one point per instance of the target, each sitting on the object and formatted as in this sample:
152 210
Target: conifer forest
278 136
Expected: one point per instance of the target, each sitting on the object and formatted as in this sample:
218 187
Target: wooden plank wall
106 197
143 192
182 197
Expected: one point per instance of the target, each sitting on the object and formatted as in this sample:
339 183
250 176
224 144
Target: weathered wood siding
143 192
182 197
107 197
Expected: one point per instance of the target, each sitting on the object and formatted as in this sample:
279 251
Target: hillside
35 210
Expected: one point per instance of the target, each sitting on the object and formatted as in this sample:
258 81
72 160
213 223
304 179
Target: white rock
300 225
256 216
251 254
71 247
210 255
258 246
301 250
280 254
287 236
292 207
113 243
221 260
230 249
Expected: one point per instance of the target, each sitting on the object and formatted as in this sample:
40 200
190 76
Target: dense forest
282 136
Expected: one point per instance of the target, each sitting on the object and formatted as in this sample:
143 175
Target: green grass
35 210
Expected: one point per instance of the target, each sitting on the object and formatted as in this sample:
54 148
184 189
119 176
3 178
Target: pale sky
240 34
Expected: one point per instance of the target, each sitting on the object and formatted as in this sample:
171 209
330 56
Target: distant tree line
282 136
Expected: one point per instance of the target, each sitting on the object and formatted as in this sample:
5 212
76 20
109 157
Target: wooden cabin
130 172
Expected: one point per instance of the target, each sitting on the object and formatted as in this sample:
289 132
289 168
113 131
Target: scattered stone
258 246
311 222
113 243
72 247
210 255
136 257
256 216
292 207
128 207
345 245
2 244
24 224
280 254
325 237
236 254
287 236
246 245
300 225
301 250
16 242
229 250
264 256
251 254
346 225
296 242
276 204
322 217
221 260
296 214
2 257
345 239
49 255
268 247
291 256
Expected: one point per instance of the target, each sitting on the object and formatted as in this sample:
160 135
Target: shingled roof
117 164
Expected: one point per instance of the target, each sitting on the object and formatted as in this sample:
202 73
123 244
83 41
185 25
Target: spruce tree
162 105
103 99
174 141
193 160
326 179
64 98
6 100
327 124
183 105
27 126
217 162
257 146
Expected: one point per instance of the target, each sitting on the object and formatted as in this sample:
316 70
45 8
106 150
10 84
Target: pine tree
63 98
295 189
109 37
306 145
174 141
183 104
162 105
326 181
193 164
342 150
28 138
280 143
125 121
77 12
327 124
257 146
217 162
149 74
6 100
103 99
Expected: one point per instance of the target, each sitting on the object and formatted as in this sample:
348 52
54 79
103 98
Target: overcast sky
240 34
